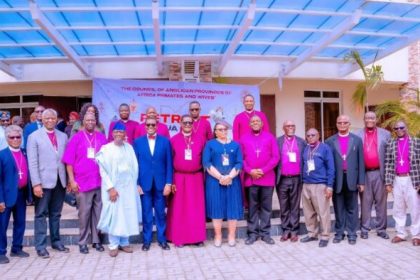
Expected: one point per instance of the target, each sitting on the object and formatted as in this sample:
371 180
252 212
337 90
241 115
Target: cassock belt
191 172
291 176
403 174
371 169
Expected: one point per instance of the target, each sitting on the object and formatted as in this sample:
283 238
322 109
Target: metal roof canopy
284 34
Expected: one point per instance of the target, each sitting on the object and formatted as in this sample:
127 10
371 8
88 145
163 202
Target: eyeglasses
221 129
5 120
187 123
399 128
342 123
290 125
39 111
14 137
310 135
195 109
150 124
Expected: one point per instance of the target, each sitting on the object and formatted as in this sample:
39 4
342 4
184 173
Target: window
321 111
19 105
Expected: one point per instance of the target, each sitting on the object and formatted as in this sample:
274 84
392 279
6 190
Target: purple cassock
202 128
186 222
162 130
79 155
130 129
241 124
260 152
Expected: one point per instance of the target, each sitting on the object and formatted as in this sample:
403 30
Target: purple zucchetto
119 126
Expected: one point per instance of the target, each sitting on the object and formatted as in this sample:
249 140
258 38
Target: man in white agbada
121 210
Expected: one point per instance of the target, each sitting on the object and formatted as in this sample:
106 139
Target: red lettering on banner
164 116
175 118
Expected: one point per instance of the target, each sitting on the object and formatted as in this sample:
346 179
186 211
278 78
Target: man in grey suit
48 176
374 146
347 149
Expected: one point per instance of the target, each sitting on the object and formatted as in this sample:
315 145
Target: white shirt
152 143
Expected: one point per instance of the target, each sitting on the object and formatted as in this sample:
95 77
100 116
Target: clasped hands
256 173
225 180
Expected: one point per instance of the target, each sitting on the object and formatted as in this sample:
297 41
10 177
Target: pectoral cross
20 174
258 151
401 162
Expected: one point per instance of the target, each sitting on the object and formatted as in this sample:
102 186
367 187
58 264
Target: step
70 232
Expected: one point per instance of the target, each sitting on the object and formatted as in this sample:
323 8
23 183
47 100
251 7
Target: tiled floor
373 258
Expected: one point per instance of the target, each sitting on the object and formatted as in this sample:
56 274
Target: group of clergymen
139 171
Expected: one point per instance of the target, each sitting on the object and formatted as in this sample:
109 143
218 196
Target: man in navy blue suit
13 193
154 156
33 126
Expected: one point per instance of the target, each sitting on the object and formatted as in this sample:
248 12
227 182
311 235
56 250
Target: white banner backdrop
171 100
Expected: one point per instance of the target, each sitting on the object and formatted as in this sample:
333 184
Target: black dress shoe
83 249
4 259
164 246
198 244
19 254
364 235
146 247
338 239
323 243
352 241
383 235
43 253
98 247
250 240
61 248
268 240
308 238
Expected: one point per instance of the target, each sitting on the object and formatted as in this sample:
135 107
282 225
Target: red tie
152 137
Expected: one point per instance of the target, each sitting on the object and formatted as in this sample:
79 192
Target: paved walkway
374 258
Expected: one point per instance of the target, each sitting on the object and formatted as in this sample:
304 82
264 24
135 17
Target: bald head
343 124
289 128
370 120
151 112
312 136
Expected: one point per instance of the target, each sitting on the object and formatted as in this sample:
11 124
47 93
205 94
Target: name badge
311 165
91 152
292 156
188 154
225 159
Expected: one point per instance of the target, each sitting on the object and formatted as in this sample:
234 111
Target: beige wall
289 100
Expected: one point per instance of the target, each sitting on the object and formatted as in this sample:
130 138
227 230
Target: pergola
81 39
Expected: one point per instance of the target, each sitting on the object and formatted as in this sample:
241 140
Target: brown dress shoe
126 249
294 238
113 253
284 237
397 239
416 242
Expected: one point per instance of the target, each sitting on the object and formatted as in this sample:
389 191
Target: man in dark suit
33 126
13 193
289 180
48 177
347 149
154 157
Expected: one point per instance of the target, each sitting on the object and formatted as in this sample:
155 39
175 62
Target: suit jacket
301 146
383 138
9 178
355 162
29 128
43 161
157 168
391 157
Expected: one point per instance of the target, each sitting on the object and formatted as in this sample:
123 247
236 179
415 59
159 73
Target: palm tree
409 111
373 77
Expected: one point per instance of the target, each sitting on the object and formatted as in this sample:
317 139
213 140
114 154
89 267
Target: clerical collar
13 149
289 137
124 121
49 131
403 137
186 134
344 135
370 130
314 144
250 111
256 133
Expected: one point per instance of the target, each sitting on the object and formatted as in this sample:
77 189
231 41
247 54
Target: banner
171 100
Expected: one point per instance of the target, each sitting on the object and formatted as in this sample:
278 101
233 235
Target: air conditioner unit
191 71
